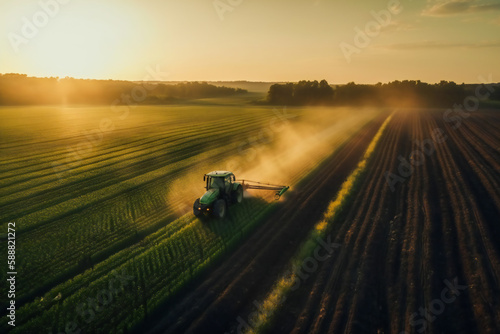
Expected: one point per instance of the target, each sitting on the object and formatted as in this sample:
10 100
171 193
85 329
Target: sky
365 41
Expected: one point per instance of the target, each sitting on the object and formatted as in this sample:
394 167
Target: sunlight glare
83 43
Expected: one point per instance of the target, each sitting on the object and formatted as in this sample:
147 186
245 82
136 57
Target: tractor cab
220 180
222 190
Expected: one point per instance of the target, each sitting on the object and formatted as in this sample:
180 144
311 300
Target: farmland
400 252
250 167
102 195
405 204
423 257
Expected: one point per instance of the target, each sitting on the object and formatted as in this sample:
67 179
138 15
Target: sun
85 40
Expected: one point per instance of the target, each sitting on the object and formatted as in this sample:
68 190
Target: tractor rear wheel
196 210
220 209
237 195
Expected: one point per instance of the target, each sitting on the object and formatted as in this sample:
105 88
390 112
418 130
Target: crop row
178 255
110 220
90 228
437 226
116 148
74 242
149 120
106 163
58 248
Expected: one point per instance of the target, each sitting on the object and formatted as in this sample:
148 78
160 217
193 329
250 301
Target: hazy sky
257 40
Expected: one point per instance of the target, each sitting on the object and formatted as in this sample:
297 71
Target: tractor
222 190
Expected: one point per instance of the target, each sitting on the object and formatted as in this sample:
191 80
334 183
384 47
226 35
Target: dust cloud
281 152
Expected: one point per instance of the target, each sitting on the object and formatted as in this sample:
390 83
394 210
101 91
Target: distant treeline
396 93
19 89
301 93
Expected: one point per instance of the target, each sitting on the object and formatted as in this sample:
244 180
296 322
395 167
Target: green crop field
249 167
102 198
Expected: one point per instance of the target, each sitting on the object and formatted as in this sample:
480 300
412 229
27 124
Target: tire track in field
250 271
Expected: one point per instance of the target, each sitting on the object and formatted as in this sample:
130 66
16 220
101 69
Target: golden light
83 40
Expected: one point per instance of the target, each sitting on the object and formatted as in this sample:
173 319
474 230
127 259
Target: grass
99 203
162 264
119 208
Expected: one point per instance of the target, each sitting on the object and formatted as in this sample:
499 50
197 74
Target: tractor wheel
237 195
196 205
220 209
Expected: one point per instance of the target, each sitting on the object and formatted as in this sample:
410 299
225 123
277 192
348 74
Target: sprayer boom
280 190
223 189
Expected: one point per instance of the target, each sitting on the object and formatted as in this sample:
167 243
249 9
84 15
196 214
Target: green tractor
223 190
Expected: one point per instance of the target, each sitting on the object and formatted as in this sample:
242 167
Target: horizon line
234 81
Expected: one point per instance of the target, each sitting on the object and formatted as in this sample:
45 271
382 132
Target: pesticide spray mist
281 152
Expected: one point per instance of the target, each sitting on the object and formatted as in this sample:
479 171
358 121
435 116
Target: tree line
395 93
19 89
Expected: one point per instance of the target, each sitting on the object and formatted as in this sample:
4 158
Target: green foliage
118 209
120 192
159 266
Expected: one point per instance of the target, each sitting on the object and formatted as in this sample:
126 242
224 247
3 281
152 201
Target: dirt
401 250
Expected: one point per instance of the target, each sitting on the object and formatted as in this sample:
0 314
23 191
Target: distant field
96 190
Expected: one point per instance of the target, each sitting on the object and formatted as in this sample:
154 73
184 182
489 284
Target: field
250 167
101 198
390 226
421 258
401 250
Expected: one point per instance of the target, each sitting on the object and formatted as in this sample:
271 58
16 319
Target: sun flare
86 42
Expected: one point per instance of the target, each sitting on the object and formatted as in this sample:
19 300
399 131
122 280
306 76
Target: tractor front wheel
220 209
196 211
